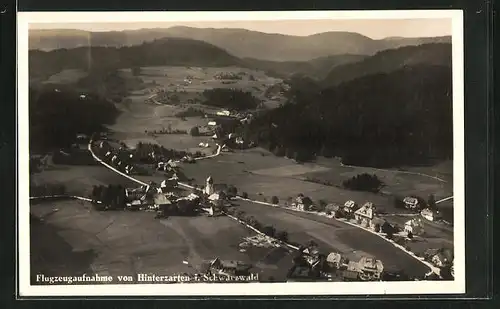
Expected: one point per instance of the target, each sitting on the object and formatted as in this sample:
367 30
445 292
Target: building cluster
165 201
413 204
316 266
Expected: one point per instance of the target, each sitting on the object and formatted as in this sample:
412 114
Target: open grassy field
436 180
332 235
79 179
267 176
128 243
261 174
66 77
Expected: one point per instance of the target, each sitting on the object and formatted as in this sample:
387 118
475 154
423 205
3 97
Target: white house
212 123
410 202
365 214
350 206
414 226
430 214
302 202
224 113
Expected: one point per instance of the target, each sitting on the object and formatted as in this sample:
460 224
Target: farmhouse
370 269
414 226
335 260
229 267
431 215
410 202
161 201
364 215
350 206
302 202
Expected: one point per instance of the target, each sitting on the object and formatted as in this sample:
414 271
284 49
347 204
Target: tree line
384 120
235 99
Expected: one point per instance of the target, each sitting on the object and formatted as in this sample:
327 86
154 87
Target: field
261 174
127 243
173 78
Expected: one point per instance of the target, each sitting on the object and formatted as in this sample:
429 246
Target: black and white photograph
240 153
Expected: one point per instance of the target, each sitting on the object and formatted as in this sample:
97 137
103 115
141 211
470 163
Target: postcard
241 153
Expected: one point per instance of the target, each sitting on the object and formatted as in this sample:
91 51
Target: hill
167 51
317 68
383 120
391 60
239 42
57 116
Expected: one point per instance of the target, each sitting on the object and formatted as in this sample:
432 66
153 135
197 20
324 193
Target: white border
249 289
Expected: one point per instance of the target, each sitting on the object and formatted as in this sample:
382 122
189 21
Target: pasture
409 181
266 176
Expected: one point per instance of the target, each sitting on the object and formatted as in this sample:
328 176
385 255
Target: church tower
209 187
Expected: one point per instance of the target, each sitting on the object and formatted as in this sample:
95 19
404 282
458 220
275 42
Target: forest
57 117
234 99
381 120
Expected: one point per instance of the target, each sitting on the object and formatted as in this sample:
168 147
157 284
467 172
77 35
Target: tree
410 235
431 202
388 229
232 190
322 205
275 200
244 195
282 235
269 230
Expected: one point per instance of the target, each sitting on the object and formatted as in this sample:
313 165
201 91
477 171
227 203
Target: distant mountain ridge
167 51
439 54
241 43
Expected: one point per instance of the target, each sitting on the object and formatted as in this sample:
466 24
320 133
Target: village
165 189
172 197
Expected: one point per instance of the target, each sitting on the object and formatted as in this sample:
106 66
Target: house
169 184
302 202
414 226
239 141
335 260
350 206
223 113
439 257
364 215
160 201
410 202
431 215
229 267
212 123
370 269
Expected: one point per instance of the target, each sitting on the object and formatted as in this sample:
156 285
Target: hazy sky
375 29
